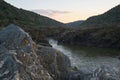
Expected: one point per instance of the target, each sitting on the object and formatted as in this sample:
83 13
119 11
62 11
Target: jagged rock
80 75
105 72
18 59
22 59
13 37
55 62
75 75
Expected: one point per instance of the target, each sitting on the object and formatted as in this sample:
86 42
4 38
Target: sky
66 10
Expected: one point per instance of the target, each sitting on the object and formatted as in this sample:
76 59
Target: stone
57 64
105 72
18 59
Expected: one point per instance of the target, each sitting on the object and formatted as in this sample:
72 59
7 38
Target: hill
37 25
98 31
93 37
11 14
109 18
75 23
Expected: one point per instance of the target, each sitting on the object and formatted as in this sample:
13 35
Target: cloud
50 12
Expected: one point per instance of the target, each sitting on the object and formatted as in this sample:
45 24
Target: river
89 58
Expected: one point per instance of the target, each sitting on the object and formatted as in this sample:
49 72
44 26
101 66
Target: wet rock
80 75
105 72
55 62
75 75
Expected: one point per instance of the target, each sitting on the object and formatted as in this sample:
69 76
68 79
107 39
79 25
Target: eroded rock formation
22 59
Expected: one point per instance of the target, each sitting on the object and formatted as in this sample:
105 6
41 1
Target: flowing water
89 58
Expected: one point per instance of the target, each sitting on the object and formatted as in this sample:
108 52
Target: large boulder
22 59
57 64
18 59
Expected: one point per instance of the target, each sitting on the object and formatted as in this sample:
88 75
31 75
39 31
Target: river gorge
89 58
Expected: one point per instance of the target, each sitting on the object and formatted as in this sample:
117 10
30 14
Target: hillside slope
94 37
75 23
109 18
37 25
11 14
97 31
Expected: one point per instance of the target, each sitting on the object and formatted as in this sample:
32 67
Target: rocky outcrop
22 59
105 72
57 64
95 37
18 59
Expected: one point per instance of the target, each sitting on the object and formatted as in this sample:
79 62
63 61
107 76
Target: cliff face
22 59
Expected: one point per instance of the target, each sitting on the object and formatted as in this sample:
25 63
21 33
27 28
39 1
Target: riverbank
105 37
89 58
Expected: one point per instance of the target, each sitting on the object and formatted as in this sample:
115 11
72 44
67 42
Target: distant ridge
10 14
75 23
97 31
109 18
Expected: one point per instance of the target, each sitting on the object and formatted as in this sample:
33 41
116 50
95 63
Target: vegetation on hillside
109 18
74 24
38 26
10 14
97 37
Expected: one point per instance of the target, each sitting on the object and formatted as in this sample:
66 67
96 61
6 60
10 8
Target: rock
118 57
105 72
107 37
76 75
13 37
80 75
57 64
38 36
22 59
18 58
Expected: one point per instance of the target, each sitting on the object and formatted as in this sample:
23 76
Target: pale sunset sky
66 10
